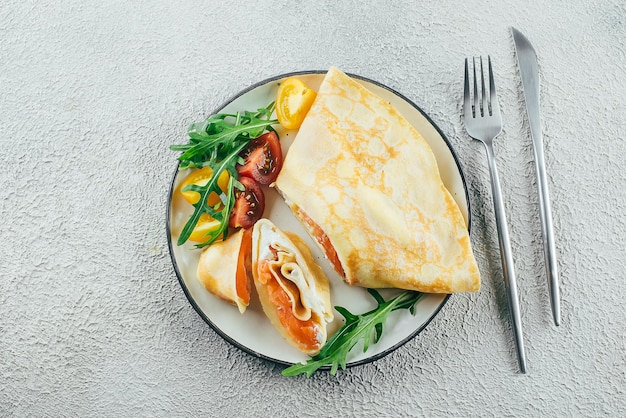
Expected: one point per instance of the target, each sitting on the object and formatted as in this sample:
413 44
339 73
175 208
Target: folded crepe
224 269
366 185
293 290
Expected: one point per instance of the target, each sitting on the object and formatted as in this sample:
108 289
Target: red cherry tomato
263 159
249 204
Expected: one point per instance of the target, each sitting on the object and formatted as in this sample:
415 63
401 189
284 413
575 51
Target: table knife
528 69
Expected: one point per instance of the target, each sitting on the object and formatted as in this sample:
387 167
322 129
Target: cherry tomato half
293 101
249 204
205 224
200 177
263 159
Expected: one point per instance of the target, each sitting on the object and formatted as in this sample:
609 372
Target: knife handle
545 214
506 255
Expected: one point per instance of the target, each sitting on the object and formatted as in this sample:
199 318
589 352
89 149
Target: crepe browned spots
366 185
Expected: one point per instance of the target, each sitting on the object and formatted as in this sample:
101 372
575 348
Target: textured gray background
92 318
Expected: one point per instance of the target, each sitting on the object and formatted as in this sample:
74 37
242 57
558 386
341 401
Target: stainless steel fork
483 122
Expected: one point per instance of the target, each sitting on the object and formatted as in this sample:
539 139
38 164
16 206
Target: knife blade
529 73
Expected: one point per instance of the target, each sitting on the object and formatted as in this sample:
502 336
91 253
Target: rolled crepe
220 269
292 289
366 186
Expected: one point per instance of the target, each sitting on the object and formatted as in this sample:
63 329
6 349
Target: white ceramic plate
252 331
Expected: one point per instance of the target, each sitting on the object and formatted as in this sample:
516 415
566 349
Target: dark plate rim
249 350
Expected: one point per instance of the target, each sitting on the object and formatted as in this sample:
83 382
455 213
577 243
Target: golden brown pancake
293 290
217 269
366 185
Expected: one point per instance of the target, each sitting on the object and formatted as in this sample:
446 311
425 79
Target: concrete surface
93 321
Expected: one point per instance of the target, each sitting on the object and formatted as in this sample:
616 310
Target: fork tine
495 105
484 111
467 104
476 106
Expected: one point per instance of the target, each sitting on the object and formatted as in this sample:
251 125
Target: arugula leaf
217 142
218 135
201 206
357 328
221 213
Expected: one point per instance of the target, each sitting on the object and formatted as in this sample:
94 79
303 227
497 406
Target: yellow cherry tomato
200 177
205 225
293 101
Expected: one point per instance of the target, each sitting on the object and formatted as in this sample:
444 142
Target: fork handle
506 257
